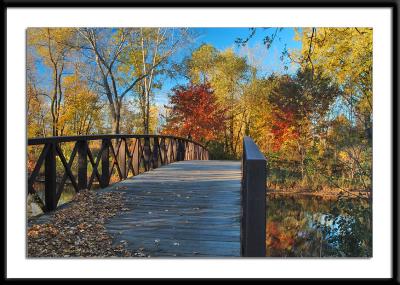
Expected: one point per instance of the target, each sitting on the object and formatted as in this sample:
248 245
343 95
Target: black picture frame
226 3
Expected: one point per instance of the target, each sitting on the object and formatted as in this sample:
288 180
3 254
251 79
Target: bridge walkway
187 208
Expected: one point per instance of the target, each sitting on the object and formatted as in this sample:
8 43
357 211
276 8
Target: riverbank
325 193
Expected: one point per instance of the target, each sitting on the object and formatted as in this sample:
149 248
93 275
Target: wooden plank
183 247
192 207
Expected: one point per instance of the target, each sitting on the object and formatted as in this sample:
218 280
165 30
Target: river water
307 225
312 226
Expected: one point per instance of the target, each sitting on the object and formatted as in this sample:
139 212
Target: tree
53 46
36 106
299 103
195 113
82 106
201 64
226 73
152 45
345 55
119 72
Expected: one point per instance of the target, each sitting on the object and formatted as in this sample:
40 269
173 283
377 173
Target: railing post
136 157
184 150
50 179
186 153
253 220
105 163
155 152
179 150
122 158
82 164
163 148
146 154
174 150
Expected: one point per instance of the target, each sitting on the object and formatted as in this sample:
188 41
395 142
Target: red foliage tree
282 128
195 113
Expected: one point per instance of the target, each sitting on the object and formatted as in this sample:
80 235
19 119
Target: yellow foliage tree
82 107
53 46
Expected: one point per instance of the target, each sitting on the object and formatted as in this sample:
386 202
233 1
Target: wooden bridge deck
187 208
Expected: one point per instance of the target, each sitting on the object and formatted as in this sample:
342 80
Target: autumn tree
82 105
36 105
195 113
226 73
345 56
133 119
201 64
124 57
53 46
299 103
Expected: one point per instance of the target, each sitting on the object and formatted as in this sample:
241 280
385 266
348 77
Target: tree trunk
231 135
146 127
116 123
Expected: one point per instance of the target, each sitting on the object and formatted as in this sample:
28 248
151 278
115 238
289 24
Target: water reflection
310 226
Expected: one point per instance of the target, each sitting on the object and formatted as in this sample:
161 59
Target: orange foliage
195 113
283 128
278 239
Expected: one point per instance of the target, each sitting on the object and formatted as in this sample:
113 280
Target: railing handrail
253 200
251 149
61 139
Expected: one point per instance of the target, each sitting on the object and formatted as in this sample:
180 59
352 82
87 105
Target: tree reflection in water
312 226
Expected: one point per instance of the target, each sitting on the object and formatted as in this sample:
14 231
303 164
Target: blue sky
224 38
268 60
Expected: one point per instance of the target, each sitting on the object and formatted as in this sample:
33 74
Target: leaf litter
78 230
